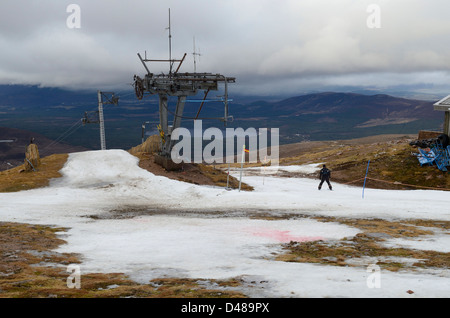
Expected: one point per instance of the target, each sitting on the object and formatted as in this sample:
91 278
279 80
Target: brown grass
192 173
366 244
30 269
391 161
151 145
17 179
219 178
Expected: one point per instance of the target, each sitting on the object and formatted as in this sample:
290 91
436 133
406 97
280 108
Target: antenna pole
170 45
195 62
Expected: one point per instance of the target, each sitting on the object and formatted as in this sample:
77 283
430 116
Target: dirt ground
190 173
392 164
199 174
390 155
296 149
194 173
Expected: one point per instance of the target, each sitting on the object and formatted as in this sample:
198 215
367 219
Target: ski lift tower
180 85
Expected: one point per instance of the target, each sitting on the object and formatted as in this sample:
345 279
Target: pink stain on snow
285 237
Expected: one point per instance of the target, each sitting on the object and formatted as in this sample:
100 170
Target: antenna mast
195 61
170 46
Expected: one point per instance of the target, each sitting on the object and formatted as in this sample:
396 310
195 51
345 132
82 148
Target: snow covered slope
125 219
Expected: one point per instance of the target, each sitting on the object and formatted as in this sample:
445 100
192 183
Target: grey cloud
268 45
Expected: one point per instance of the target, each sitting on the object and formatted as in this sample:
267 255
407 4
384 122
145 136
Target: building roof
443 104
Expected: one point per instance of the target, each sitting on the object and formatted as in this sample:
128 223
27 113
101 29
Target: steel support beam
177 119
163 107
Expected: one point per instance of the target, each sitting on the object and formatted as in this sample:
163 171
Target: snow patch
186 243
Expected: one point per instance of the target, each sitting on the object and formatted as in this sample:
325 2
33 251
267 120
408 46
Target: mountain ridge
337 101
13 143
315 116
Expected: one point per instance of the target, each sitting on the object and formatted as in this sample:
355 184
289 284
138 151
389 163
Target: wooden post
32 158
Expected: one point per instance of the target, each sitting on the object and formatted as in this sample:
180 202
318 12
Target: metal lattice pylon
98 117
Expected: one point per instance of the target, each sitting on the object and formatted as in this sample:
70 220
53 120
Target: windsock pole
367 171
242 166
228 177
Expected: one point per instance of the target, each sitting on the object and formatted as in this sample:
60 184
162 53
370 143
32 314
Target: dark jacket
325 173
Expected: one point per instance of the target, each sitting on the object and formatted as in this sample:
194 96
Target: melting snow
178 229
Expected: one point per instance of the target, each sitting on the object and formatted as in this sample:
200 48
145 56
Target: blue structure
438 154
442 159
426 157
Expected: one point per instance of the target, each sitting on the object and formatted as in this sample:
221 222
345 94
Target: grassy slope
16 179
390 161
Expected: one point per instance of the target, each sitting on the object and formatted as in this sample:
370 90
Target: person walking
325 175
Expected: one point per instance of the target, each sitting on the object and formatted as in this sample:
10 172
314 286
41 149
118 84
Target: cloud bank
271 47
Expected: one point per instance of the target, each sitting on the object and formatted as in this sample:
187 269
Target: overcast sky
270 46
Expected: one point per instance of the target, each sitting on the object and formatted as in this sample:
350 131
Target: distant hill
330 115
372 107
51 112
13 143
318 116
380 108
31 96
